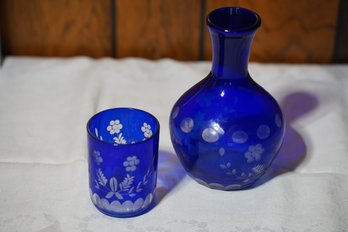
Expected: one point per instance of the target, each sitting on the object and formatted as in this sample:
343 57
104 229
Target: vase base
217 186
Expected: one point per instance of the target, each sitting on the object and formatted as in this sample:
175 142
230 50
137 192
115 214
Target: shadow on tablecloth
294 149
170 173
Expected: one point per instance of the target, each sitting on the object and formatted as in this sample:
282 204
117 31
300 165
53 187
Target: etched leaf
131 190
223 166
258 169
221 151
101 178
126 183
228 164
132 195
120 139
139 189
113 184
96 184
146 176
109 195
119 196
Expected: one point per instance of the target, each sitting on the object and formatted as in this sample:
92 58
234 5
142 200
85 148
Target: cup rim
155 134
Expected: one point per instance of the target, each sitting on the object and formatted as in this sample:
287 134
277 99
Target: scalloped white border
118 207
219 186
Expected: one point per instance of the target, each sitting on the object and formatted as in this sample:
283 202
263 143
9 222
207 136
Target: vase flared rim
233 21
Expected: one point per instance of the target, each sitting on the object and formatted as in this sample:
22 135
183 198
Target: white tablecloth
44 107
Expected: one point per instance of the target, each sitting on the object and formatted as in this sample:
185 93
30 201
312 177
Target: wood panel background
308 31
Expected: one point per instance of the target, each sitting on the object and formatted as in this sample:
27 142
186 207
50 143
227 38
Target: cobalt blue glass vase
122 161
226 130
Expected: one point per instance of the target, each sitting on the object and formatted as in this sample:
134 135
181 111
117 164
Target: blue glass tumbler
122 158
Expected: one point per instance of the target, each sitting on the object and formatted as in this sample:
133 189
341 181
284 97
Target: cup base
128 215
126 209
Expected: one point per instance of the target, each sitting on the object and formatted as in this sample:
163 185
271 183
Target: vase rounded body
226 130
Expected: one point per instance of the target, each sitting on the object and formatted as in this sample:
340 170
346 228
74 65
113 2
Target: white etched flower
97 157
120 139
146 128
131 163
254 153
114 126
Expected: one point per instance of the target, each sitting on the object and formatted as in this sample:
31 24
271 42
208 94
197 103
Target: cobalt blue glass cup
122 160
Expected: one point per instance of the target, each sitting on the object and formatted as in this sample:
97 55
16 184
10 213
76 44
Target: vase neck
230 55
232 30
